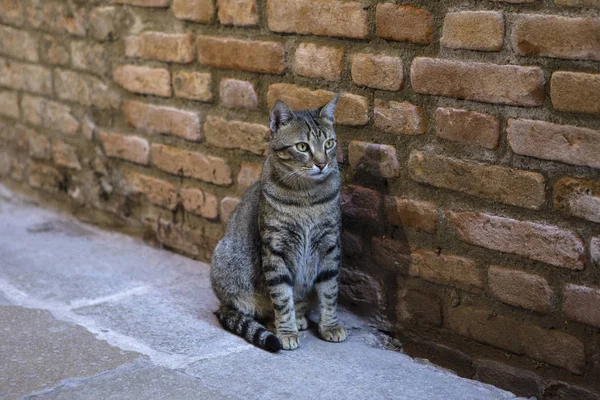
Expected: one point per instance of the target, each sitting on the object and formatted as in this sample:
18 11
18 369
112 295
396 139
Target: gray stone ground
88 314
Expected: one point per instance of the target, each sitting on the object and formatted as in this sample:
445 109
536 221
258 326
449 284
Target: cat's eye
302 147
329 144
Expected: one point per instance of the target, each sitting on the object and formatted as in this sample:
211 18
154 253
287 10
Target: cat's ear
280 115
326 112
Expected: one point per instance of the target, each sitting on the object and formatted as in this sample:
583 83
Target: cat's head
303 143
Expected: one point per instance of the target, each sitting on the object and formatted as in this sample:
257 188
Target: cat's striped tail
248 328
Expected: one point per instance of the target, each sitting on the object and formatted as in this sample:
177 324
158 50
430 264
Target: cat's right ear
280 115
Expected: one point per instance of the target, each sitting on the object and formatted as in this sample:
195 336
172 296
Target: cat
282 242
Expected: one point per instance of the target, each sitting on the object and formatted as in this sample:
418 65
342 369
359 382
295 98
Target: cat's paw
289 341
335 333
301 323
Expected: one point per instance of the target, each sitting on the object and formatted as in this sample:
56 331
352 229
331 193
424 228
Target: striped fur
283 240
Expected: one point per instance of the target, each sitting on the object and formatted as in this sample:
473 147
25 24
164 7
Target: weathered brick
228 205
200 202
578 3
158 191
359 288
191 164
474 30
193 85
145 3
202 11
169 47
378 71
329 18
18 44
562 391
84 89
494 182
49 114
405 212
578 197
551 346
6 159
237 12
57 16
545 243
467 127
65 155
249 173
392 254
521 289
247 136
402 118
575 92
360 203
237 94
39 146
404 23
595 250
12 12
27 77
352 244
318 61
160 119
178 237
13 136
88 56
126 147
490 83
9 104
556 36
447 269
420 308
45 177
519 381
54 51
102 23
351 109
565 143
582 304
17 172
245 55
144 80
377 159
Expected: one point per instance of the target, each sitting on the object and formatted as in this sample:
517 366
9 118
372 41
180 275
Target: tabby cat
283 239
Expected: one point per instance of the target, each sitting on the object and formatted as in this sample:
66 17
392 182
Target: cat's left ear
326 112
280 115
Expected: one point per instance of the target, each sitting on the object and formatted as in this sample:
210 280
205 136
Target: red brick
378 71
145 3
245 55
402 118
519 381
545 243
556 36
419 308
392 254
169 47
126 147
84 89
329 17
54 51
19 44
49 114
474 30
578 197
467 127
27 77
360 203
45 177
501 184
447 269
551 346
418 214
200 202
237 94
565 143
575 92
582 304
237 12
490 83
65 155
521 289
12 12
160 119
376 159
158 191
144 80
89 56
352 245
193 85
202 11
102 23
220 132
249 173
9 104
228 205
191 164
39 146
318 61
404 23
351 109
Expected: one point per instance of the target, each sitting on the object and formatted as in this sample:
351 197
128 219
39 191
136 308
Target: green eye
329 144
302 147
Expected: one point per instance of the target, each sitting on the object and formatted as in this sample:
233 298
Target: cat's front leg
326 285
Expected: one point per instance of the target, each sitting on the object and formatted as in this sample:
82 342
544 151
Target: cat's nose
321 165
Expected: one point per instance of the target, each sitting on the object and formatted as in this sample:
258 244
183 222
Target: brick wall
470 138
